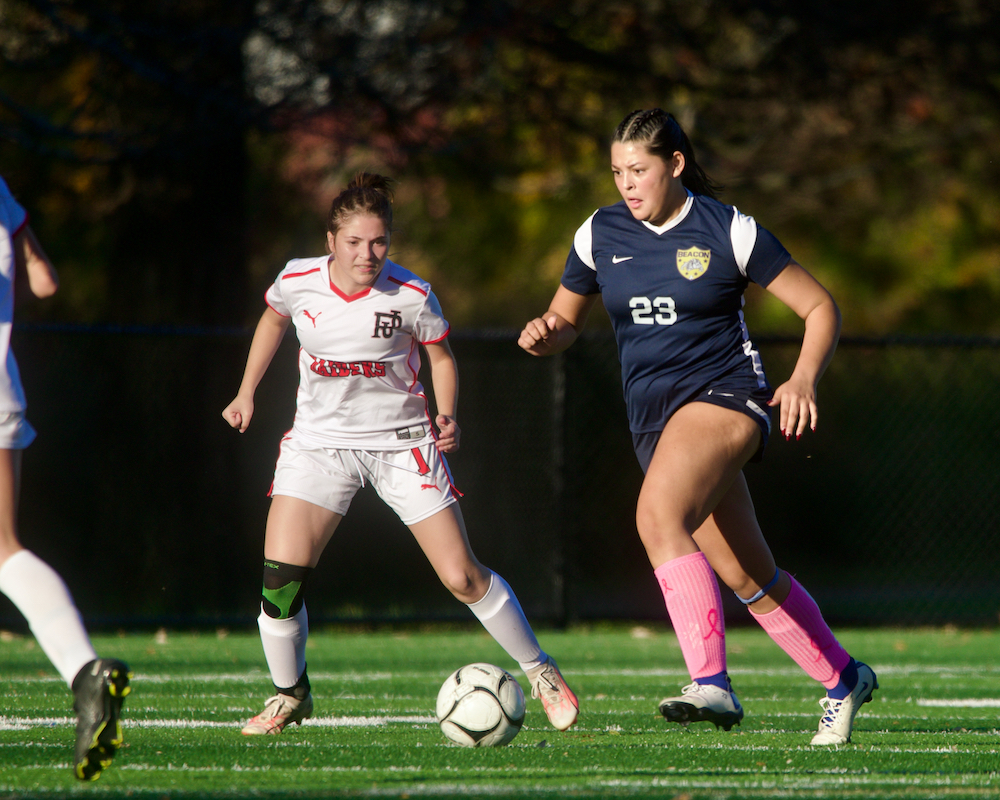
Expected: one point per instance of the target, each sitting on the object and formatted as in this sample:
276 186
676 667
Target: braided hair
661 134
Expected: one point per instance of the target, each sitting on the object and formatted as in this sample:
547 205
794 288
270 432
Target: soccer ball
480 705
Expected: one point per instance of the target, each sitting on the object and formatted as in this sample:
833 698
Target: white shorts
16 432
414 483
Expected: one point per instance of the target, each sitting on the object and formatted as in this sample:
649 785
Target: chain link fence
153 509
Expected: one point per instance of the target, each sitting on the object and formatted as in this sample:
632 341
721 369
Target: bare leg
296 534
697 459
732 541
443 539
298 531
10 485
700 453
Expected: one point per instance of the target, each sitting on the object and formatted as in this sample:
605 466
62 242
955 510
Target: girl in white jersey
99 684
671 264
361 416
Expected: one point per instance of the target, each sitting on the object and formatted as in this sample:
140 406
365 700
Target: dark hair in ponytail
366 193
662 136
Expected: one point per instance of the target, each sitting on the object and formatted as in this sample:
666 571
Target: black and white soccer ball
480 705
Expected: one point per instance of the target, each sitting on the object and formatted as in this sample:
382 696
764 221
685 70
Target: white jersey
12 219
359 355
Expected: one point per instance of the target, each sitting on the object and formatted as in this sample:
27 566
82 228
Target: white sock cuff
496 597
41 595
292 626
13 565
34 587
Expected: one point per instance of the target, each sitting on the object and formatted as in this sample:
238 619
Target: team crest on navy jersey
693 263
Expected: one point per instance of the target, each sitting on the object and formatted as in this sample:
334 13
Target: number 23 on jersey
661 311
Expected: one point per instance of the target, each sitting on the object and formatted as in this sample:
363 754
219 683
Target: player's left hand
448 433
796 401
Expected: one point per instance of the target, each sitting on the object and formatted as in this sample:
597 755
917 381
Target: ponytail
661 134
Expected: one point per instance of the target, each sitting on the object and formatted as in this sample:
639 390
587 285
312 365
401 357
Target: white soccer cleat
837 722
279 711
703 703
558 700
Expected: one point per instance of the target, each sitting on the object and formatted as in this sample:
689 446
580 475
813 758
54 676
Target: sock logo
714 624
820 657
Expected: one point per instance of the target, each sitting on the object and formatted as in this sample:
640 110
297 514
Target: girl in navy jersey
671 264
361 416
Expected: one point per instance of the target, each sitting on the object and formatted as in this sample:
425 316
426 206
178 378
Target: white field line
352 676
778 783
377 721
972 702
26 723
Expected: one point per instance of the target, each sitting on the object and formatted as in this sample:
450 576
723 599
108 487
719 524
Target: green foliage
863 136
930 732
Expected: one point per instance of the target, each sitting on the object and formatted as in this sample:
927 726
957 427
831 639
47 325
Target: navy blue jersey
675 297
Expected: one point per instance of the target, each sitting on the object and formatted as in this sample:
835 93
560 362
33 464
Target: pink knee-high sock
798 627
695 607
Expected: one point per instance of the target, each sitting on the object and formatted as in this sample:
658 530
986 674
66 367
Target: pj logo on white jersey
386 323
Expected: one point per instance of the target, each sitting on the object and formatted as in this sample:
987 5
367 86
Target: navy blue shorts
754 405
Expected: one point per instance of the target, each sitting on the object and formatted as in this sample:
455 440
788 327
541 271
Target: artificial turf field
932 730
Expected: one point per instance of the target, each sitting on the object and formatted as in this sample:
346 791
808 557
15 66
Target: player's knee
284 589
467 585
742 584
647 521
655 527
750 590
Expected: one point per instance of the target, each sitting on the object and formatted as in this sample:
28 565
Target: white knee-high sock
501 615
40 594
284 642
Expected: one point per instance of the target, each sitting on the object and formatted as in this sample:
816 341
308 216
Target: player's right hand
238 414
536 338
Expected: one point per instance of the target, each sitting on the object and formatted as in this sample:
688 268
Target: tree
135 117
842 128
860 134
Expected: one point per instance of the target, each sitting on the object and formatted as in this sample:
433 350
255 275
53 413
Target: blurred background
173 155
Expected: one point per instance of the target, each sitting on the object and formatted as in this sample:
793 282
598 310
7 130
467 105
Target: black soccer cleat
703 703
99 690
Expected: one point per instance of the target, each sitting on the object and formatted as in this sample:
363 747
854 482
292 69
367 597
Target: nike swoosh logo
617 260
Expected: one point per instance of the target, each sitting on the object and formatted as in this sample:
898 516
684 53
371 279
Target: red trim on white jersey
350 298
368 345
270 488
414 370
288 275
268 302
447 470
440 338
408 285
